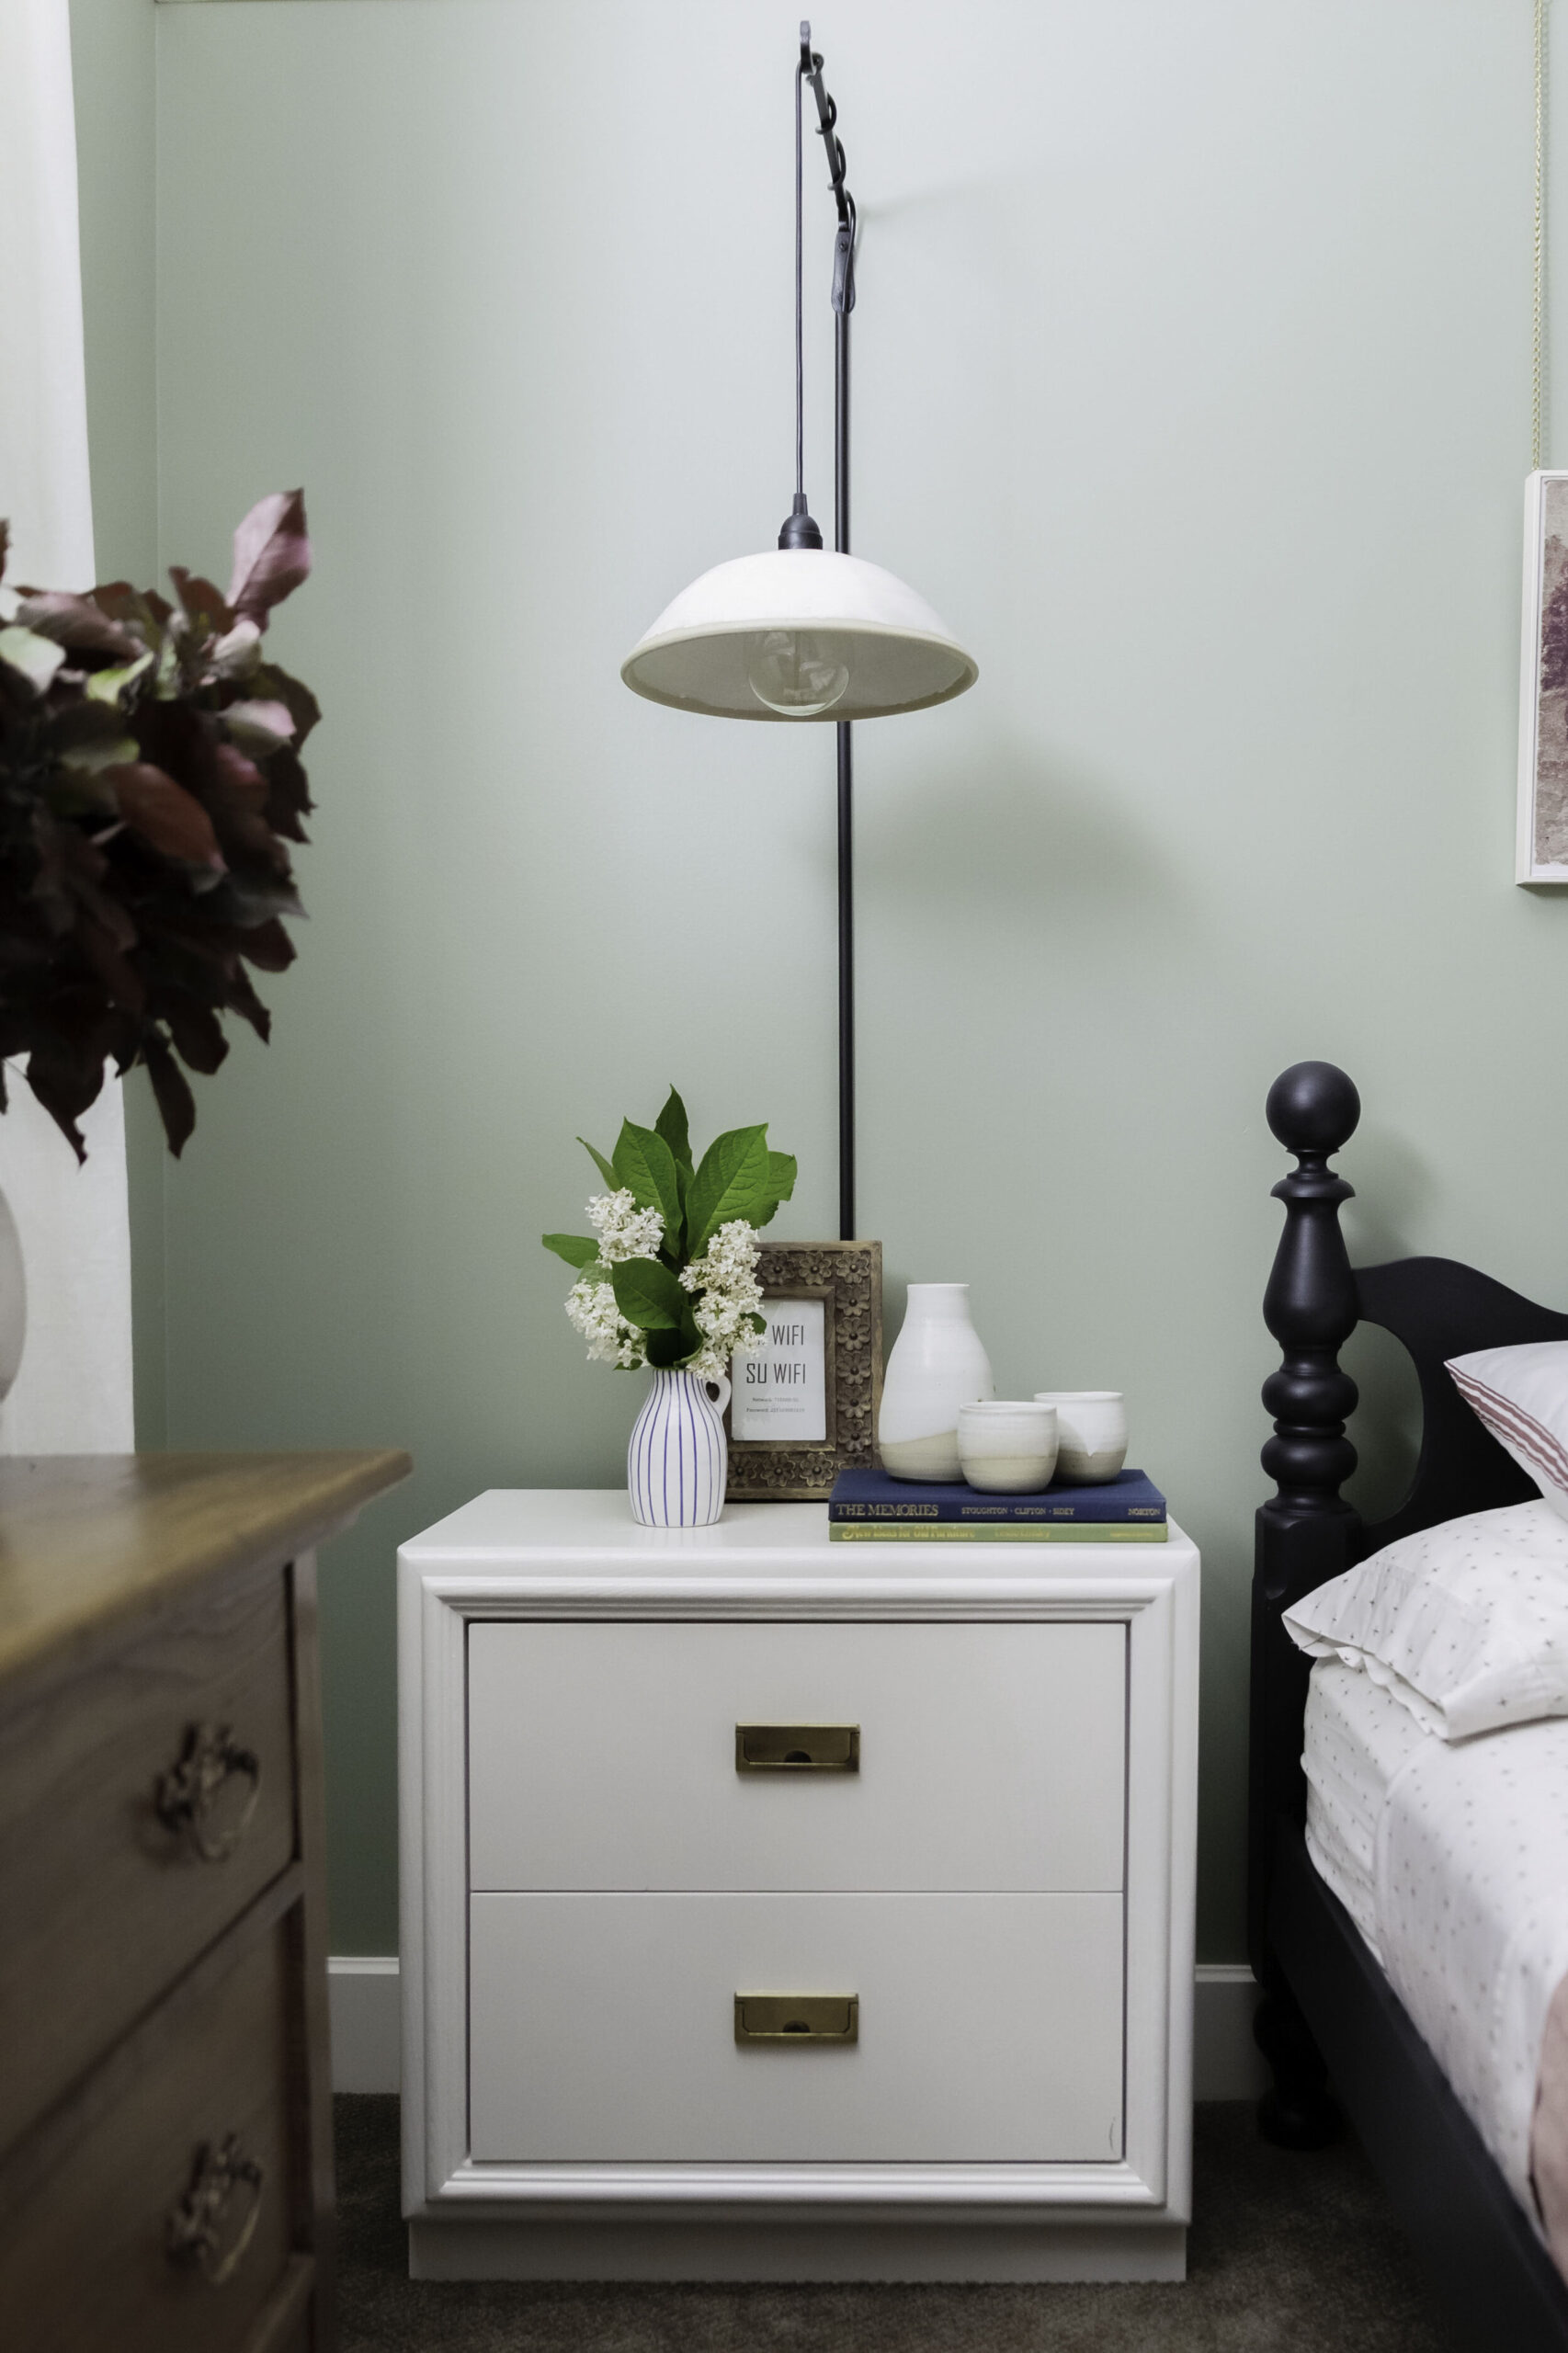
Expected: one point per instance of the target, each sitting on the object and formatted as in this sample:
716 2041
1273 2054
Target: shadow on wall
1016 829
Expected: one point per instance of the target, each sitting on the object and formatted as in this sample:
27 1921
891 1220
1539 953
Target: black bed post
1305 1535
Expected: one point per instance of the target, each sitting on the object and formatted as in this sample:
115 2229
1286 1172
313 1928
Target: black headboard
1307 1533
1439 1309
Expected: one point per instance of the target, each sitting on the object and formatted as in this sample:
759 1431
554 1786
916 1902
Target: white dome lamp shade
799 633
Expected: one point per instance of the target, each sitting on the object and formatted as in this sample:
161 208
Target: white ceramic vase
937 1364
12 1298
678 1456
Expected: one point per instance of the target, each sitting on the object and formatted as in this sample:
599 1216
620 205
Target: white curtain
73 1393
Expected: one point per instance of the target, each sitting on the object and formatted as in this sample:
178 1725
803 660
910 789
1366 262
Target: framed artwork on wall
1542 846
804 1406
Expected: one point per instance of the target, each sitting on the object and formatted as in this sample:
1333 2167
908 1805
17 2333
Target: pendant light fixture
798 633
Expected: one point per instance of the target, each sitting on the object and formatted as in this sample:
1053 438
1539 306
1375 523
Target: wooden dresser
166 2160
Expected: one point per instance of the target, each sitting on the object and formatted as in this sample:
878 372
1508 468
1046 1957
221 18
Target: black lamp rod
810 70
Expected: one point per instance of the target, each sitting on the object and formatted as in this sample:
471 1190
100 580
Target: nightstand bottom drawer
603 2028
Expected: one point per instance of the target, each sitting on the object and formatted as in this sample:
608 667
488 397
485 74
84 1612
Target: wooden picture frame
846 1277
1542 848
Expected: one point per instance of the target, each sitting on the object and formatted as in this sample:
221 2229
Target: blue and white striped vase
678 1456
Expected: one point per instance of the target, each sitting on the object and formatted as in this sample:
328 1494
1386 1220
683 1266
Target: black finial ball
1313 1107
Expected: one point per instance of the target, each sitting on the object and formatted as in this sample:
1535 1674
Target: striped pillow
1521 1395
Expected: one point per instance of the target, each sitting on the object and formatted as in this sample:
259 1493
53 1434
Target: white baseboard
367 2055
367 2028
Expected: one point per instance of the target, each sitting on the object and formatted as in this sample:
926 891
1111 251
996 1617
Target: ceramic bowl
1007 1446
1091 1431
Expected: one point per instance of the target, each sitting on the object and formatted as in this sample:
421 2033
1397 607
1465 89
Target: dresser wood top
87 1538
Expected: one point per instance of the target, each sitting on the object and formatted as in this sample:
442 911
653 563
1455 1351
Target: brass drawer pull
189 1791
798 2018
797 1748
194 2233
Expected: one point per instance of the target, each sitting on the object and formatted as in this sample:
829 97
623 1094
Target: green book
968 1531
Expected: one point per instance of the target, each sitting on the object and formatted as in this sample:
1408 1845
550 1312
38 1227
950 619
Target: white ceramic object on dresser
1091 1426
937 1364
1008 1448
589 1879
677 1457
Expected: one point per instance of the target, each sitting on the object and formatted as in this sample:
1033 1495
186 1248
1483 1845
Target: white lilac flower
624 1230
727 1303
591 1311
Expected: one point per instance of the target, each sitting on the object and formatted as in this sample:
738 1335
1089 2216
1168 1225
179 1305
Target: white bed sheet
1359 1739
1452 1859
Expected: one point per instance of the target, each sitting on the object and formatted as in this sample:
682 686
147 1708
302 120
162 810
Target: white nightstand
776 1909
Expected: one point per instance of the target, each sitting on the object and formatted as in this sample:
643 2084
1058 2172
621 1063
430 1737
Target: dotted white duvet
1452 1860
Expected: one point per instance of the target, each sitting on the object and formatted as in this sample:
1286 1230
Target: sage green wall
1192 386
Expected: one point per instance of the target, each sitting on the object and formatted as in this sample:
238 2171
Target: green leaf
601 1163
575 1248
670 1348
109 685
676 1242
644 1166
29 657
666 1350
648 1294
782 1170
672 1125
732 1182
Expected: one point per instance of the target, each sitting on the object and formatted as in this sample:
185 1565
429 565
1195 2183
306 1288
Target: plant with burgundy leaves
150 784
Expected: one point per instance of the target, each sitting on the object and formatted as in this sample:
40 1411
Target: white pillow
1521 1394
1465 1624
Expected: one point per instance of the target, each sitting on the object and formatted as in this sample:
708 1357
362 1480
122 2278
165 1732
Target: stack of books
868 1506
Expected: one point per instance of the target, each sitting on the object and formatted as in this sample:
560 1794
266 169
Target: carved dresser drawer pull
188 1795
196 2228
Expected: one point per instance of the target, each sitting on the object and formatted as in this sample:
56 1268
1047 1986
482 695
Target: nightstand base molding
759 2253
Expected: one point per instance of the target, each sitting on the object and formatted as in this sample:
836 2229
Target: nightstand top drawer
888 1756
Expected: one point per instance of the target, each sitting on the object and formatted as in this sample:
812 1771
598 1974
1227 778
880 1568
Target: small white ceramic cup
1007 1446
1092 1427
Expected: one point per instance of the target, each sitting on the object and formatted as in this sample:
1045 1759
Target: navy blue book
1129 1509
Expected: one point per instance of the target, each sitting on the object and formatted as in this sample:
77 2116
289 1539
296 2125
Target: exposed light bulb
799 672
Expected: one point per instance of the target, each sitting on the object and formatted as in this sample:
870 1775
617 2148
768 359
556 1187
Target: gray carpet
1287 2254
